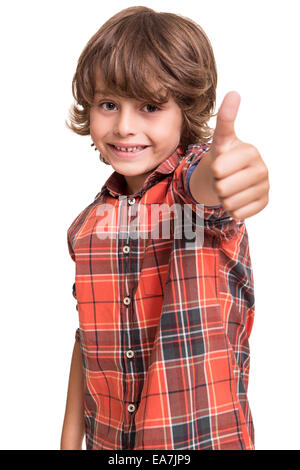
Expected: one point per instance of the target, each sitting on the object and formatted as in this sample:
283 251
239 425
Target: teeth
129 149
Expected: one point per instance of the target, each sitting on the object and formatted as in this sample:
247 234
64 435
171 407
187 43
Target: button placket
127 300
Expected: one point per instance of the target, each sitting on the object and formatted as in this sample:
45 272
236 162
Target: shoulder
81 218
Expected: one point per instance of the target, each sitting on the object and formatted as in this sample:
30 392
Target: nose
126 122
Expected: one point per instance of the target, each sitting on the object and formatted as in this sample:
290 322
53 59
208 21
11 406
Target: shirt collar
116 183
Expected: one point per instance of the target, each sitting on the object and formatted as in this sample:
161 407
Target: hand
239 173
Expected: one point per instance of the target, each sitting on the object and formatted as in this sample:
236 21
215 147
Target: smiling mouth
127 153
138 147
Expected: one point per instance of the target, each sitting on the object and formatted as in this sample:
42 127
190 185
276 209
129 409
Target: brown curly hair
138 47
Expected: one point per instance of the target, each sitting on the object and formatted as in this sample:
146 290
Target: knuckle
228 205
266 171
220 188
253 150
234 214
261 172
216 170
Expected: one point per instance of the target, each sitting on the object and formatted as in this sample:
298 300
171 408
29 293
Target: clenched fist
239 174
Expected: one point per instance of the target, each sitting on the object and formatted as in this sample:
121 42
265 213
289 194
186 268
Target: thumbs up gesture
239 174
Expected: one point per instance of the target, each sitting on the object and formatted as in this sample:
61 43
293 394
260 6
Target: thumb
224 133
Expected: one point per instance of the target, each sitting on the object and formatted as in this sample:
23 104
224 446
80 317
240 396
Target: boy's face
116 120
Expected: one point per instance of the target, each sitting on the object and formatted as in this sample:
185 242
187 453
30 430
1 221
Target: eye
152 106
106 102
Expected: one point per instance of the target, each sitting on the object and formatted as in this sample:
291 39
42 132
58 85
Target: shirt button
126 300
131 408
126 249
131 201
129 354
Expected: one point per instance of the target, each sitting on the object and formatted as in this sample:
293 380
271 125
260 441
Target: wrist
202 183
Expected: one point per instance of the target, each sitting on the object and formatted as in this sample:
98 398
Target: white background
49 174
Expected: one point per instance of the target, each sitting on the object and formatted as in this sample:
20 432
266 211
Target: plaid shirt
164 328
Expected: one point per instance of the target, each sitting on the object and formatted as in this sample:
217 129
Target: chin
130 170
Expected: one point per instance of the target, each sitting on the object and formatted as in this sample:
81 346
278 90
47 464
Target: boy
161 358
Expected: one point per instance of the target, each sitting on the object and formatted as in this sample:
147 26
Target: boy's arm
73 426
233 172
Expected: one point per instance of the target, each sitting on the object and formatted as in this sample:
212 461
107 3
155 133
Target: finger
250 209
224 132
233 160
243 198
238 182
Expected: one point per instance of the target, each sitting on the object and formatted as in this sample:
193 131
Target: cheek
162 130
97 126
171 131
174 124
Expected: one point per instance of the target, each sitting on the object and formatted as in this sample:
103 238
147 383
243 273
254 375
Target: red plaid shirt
164 328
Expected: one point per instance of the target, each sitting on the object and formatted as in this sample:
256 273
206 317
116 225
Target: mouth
127 153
